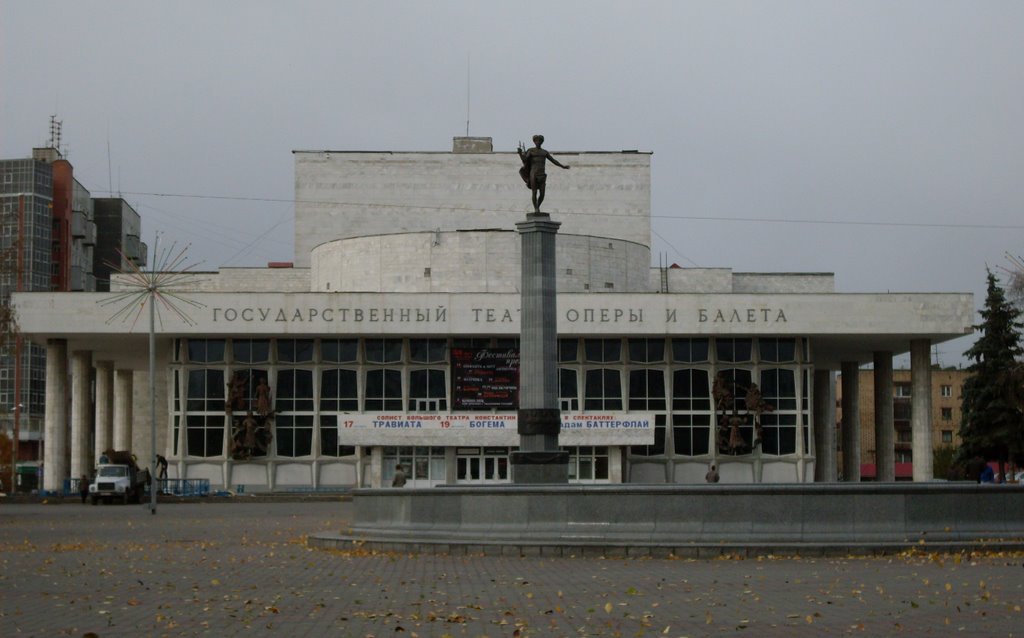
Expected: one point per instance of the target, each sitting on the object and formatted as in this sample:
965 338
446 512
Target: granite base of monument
685 520
540 468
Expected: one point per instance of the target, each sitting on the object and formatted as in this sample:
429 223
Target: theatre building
393 339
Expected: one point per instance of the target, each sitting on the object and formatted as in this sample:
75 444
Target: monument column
538 459
122 410
104 406
81 413
55 445
921 408
824 426
851 421
885 438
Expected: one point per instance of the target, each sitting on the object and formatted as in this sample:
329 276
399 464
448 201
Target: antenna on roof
55 132
110 175
467 94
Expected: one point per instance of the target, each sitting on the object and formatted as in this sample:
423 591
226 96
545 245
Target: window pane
295 350
733 350
691 434
338 390
206 350
568 350
603 350
646 350
778 350
339 350
690 389
659 440
428 350
778 388
646 390
329 435
690 350
205 391
568 392
250 350
383 390
295 390
383 350
427 390
603 390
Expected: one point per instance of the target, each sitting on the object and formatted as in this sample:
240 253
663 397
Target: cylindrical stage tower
538 459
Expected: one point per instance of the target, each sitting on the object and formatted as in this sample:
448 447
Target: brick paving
242 569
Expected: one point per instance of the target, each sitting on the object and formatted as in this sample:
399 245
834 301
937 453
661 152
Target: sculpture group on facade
728 438
252 433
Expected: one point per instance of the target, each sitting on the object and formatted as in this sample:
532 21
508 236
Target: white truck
119 478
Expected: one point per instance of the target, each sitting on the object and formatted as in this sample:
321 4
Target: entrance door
482 465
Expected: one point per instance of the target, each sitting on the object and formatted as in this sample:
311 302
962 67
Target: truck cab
118 479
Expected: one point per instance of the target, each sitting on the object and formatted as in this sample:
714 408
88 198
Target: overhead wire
770 220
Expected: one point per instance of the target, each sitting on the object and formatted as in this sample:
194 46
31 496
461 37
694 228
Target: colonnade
75 453
826 468
110 409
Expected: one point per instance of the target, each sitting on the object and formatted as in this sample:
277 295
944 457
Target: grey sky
888 112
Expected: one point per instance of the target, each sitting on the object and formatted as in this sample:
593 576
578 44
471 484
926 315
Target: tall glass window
691 407
331 436
427 390
568 390
339 391
603 389
204 422
383 389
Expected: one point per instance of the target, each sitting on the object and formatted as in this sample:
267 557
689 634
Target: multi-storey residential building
48 241
119 232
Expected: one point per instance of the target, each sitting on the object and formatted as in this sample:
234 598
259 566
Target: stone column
885 436
81 413
824 426
123 410
851 421
921 408
538 459
55 443
104 407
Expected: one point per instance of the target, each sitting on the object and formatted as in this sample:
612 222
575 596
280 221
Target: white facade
405 259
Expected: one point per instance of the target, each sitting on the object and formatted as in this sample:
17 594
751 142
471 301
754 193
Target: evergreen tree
992 425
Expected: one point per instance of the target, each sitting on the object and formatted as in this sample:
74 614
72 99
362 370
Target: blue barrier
184 487
70 487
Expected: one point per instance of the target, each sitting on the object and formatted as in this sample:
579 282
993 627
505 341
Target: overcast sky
881 141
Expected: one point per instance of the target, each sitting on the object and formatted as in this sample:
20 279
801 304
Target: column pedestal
104 407
851 422
55 444
123 410
538 460
81 414
824 427
921 408
885 437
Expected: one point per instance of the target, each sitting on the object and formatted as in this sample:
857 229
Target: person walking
399 480
712 475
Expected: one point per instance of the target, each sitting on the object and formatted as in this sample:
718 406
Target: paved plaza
242 569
